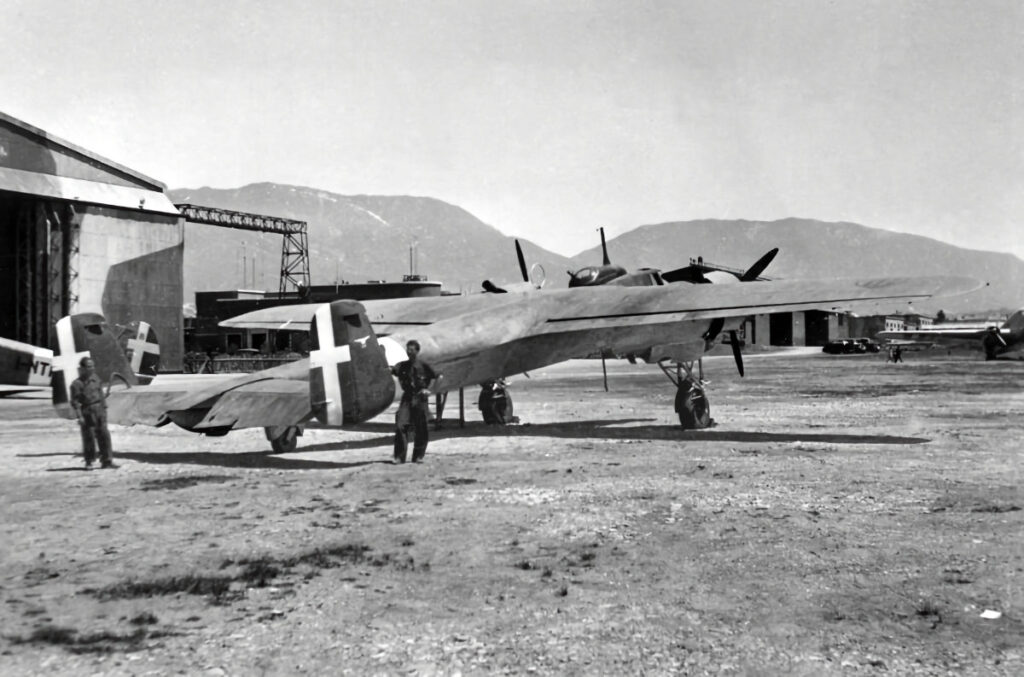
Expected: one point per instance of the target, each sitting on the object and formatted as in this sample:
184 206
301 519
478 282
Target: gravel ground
844 516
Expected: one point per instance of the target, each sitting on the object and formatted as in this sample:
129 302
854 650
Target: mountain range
356 238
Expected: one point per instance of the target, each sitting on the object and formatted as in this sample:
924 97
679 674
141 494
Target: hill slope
365 237
816 249
352 237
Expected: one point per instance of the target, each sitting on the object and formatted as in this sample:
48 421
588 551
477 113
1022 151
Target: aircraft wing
937 335
684 301
11 390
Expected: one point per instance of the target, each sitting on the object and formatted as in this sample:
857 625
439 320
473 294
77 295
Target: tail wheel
692 406
283 440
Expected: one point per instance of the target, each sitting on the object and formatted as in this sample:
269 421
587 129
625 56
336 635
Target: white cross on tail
328 356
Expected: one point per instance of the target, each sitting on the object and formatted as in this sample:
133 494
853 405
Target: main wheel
693 407
283 441
501 409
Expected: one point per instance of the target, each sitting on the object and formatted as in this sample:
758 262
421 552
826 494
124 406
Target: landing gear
283 439
691 400
440 399
495 403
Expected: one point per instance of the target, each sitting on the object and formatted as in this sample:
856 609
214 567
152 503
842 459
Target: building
204 335
81 233
801 328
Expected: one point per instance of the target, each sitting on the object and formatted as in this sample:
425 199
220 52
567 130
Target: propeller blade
522 263
714 329
604 248
736 354
755 270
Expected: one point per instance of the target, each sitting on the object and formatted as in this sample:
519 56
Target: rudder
349 379
86 335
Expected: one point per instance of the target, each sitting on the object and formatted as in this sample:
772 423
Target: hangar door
38 256
781 329
817 328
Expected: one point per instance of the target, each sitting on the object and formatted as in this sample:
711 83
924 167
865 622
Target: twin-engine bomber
467 339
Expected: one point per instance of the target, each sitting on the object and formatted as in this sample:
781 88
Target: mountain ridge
368 237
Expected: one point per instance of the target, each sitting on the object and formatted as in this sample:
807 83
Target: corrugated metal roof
80 190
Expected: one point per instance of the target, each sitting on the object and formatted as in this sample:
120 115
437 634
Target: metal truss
294 248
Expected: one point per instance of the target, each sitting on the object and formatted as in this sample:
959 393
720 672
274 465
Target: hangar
80 233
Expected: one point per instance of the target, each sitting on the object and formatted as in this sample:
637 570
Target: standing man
90 405
416 377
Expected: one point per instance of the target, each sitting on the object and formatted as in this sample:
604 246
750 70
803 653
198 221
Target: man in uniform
90 405
416 377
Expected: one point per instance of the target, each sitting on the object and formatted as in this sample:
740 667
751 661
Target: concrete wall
834 329
799 329
762 330
130 268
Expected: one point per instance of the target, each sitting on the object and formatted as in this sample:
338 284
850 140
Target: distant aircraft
995 341
468 339
23 367
27 368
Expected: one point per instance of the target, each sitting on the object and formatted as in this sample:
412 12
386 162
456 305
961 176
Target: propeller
604 249
492 288
759 266
522 262
734 339
694 273
715 328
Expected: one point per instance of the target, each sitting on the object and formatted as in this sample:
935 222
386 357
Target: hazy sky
549 118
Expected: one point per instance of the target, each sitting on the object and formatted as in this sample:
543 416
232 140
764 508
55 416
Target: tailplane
86 335
140 345
349 377
1015 323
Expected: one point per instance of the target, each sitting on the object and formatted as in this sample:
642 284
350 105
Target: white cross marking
328 356
67 359
140 346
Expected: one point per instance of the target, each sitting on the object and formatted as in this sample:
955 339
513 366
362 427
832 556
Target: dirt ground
845 516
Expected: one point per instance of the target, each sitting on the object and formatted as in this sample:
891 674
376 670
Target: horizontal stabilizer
273 402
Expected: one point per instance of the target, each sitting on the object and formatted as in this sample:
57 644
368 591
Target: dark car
840 347
866 345
855 346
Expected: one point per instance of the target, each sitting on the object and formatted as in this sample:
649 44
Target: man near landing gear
90 405
416 377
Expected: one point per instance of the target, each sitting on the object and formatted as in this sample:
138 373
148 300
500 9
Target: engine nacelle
349 377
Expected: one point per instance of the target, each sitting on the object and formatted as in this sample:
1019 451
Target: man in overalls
90 405
416 377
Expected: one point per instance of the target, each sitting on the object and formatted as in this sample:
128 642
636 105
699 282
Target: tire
486 404
495 410
285 441
693 407
501 409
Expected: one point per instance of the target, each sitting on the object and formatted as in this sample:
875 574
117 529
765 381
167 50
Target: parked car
852 346
840 347
867 345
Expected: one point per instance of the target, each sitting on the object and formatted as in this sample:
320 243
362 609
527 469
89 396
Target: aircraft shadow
56 453
618 429
249 459
609 429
